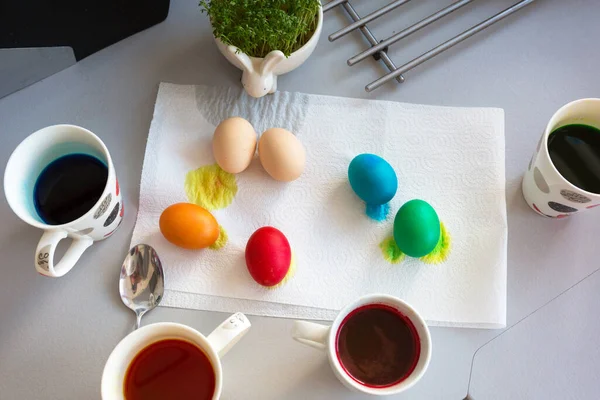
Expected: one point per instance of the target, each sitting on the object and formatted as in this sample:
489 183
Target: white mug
214 346
24 166
325 337
545 190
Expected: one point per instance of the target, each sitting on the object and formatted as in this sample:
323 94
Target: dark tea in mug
575 152
69 187
378 346
170 369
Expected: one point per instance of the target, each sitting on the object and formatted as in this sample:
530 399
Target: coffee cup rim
121 356
26 217
408 311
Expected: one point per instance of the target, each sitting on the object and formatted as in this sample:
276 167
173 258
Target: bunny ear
271 60
242 58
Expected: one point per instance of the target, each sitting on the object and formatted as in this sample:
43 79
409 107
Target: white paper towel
451 157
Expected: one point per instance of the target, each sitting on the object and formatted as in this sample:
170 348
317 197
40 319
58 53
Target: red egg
268 256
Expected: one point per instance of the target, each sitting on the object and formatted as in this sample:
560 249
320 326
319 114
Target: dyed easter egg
373 179
189 226
416 228
268 256
234 144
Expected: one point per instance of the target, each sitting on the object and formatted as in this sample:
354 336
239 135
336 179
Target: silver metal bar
446 45
366 19
332 4
373 41
408 31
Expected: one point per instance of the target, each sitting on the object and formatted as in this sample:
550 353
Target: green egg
416 228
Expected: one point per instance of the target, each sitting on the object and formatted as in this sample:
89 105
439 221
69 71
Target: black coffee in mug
378 346
69 187
575 152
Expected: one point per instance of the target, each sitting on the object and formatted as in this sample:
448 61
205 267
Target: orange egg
189 226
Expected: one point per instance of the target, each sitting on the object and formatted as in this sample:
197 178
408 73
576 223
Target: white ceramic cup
214 346
259 74
24 166
545 190
325 337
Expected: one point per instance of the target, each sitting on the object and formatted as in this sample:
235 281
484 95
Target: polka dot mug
30 160
545 190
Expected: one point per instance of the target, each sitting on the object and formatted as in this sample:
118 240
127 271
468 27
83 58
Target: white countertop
56 334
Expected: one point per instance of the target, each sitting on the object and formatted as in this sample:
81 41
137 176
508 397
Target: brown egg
281 154
234 144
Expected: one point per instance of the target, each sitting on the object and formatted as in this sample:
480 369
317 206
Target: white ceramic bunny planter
259 75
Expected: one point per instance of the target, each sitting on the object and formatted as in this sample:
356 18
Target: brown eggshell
234 144
281 154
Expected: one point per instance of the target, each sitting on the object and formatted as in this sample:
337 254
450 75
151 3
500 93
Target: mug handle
229 333
311 334
44 255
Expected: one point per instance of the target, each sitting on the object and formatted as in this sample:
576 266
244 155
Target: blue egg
373 179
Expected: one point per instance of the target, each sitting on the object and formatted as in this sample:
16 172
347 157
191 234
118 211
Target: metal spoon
141 284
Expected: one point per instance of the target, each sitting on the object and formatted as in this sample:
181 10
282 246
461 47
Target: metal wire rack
379 49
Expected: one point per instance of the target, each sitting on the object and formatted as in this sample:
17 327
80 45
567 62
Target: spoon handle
138 319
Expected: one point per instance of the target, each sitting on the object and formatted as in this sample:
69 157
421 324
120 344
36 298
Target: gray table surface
56 334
